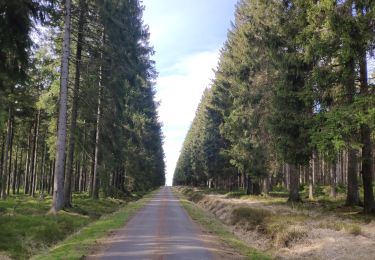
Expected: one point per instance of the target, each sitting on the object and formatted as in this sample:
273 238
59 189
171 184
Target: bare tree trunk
58 193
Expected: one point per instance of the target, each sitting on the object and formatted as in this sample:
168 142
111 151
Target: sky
187 36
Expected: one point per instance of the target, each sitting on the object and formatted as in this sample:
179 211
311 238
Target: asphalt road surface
161 230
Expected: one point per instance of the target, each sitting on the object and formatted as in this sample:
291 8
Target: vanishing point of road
160 230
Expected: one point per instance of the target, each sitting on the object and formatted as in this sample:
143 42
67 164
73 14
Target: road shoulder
223 244
89 240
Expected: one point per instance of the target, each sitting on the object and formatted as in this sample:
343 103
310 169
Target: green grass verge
217 228
26 229
81 244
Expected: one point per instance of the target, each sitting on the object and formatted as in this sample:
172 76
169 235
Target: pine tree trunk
311 184
346 167
81 178
6 152
31 163
91 180
58 192
367 173
51 176
266 185
1 166
323 168
249 185
83 163
339 168
333 180
352 198
95 186
353 190
343 168
19 172
367 169
85 177
73 119
27 164
294 183
35 155
76 179
10 155
43 172
312 175
14 172
2 162
286 176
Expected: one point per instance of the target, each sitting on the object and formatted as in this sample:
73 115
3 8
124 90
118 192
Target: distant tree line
77 109
292 102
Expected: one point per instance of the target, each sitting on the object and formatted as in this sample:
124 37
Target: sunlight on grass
83 242
26 229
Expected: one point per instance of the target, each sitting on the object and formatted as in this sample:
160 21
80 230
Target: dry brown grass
290 236
292 232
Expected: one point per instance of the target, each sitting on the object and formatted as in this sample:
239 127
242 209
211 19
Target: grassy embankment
321 203
270 223
26 229
214 226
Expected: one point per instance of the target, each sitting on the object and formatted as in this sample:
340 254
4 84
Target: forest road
160 230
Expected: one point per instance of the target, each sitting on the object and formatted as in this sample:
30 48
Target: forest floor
319 229
26 229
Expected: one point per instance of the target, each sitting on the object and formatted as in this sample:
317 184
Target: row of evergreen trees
83 70
291 91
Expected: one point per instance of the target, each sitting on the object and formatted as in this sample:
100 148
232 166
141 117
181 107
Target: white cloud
180 88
